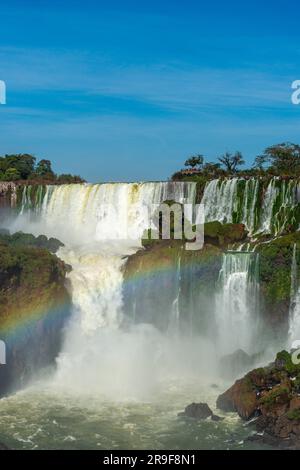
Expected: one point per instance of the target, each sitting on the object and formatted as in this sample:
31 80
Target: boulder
216 418
241 397
197 411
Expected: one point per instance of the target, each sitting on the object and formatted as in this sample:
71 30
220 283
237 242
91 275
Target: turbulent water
120 382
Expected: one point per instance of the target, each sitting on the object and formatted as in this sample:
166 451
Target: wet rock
197 411
271 393
241 397
216 418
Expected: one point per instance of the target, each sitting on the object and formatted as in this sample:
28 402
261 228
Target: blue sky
126 90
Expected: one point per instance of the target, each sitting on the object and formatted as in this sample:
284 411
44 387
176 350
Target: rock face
272 394
34 306
275 261
8 194
165 272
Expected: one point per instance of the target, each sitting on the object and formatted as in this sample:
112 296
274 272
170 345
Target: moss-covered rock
165 274
269 392
34 305
224 234
275 262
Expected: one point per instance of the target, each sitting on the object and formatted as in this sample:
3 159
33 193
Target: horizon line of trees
24 167
277 160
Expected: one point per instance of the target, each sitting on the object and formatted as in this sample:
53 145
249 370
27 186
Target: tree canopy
194 161
24 167
277 160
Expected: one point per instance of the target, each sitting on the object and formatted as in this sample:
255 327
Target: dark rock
197 411
216 418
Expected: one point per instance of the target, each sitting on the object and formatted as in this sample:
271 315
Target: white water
225 203
237 303
294 313
219 200
103 354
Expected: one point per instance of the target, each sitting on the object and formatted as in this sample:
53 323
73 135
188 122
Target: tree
194 161
44 169
284 158
260 162
231 162
11 174
23 163
212 169
69 179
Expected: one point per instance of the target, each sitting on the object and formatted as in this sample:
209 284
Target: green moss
284 361
294 414
31 279
224 233
281 394
21 239
275 267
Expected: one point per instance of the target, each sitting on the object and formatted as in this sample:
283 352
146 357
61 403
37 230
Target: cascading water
237 302
122 378
268 210
294 313
100 225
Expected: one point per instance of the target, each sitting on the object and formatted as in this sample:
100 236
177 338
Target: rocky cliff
34 306
271 395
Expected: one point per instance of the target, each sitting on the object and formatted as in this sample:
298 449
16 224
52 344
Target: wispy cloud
176 87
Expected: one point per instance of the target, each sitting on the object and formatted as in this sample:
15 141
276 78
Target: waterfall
270 211
174 322
237 302
96 212
219 200
294 311
94 222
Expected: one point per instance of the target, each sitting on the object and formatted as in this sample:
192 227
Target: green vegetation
23 167
294 414
232 162
31 280
284 362
279 395
277 160
275 267
224 234
20 239
195 161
